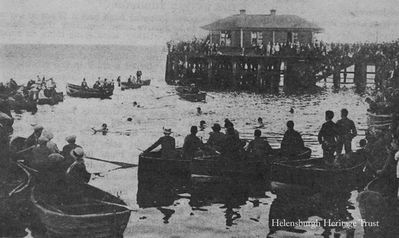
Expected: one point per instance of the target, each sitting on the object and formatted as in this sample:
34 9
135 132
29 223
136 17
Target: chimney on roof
242 12
273 12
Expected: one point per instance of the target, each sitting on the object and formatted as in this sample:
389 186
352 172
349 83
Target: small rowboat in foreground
315 174
80 211
74 90
379 120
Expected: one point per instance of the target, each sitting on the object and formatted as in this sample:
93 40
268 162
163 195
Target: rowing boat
52 100
80 211
316 174
153 161
126 85
303 155
74 90
193 97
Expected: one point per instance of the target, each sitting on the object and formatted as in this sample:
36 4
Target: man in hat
32 140
191 143
70 146
228 124
168 145
216 138
77 171
40 154
50 144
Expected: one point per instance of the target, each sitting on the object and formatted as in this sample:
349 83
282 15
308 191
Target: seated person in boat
138 75
199 111
32 140
328 136
84 84
354 158
2 87
40 154
50 144
97 84
260 123
292 143
259 147
168 145
191 143
129 80
229 124
347 132
193 88
66 150
232 147
77 171
216 138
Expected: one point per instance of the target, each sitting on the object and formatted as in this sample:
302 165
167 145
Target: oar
122 164
213 97
117 204
166 96
24 150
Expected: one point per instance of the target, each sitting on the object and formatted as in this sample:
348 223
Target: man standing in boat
168 145
347 132
328 136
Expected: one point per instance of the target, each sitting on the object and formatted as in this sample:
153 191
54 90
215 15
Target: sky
154 22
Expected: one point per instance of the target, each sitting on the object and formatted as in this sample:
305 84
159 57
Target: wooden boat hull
312 173
278 156
77 91
64 220
146 82
125 85
152 161
216 166
193 97
58 97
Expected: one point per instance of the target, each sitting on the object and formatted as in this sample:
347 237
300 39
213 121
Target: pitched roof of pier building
270 21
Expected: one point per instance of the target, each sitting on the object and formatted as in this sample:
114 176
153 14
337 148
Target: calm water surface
168 207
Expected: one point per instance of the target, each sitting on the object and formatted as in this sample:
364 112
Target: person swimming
104 129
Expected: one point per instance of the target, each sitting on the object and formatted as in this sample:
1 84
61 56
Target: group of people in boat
227 143
132 80
41 88
100 84
48 159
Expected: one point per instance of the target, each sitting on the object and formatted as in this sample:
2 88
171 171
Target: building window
294 37
225 38
256 38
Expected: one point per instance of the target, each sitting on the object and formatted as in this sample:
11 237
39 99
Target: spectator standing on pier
328 136
347 132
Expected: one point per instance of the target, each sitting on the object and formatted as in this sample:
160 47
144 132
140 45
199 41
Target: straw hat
48 134
167 131
37 127
42 139
77 153
71 139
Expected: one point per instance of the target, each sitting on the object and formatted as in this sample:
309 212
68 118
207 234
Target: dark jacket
168 146
292 142
68 148
216 140
77 172
191 144
328 133
346 128
259 147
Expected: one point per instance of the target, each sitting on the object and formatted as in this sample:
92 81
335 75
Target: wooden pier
262 74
